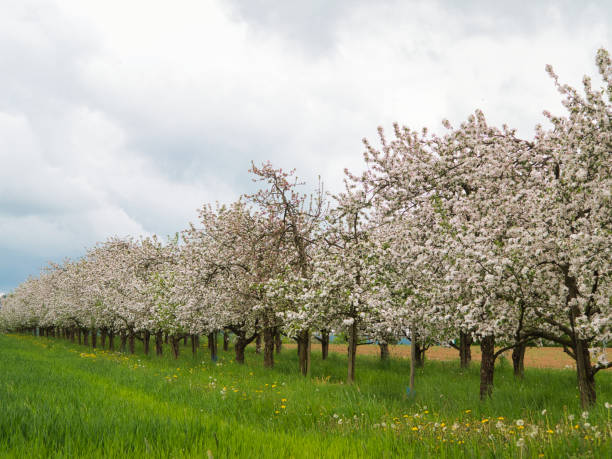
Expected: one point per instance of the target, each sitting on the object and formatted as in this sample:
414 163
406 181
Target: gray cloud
309 25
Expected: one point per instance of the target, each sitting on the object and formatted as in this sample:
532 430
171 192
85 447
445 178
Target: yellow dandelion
468 411
415 428
283 407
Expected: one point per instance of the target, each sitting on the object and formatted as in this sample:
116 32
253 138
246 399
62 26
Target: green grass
60 399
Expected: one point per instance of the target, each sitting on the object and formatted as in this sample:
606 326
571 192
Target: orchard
474 236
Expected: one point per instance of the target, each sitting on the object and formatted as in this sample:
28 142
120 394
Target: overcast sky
123 117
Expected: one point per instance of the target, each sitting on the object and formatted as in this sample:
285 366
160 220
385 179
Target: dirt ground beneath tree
535 357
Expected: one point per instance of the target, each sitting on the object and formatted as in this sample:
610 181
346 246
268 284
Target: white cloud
124 117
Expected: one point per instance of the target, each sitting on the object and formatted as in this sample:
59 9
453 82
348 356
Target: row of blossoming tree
473 235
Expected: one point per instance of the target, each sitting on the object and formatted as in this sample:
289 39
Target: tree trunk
111 340
185 340
384 351
239 348
131 340
412 364
518 360
166 338
278 342
303 340
584 370
268 337
103 333
324 344
175 342
258 344
195 344
86 337
146 340
78 333
159 341
225 341
352 352
487 366
123 341
465 351
420 355
213 347
584 373
94 337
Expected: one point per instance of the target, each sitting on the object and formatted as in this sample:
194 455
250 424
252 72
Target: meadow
60 399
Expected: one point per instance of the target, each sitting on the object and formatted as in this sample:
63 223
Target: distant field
59 399
543 357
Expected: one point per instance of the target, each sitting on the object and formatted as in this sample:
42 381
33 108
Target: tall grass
59 399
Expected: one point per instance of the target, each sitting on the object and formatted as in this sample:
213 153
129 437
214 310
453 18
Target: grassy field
59 399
